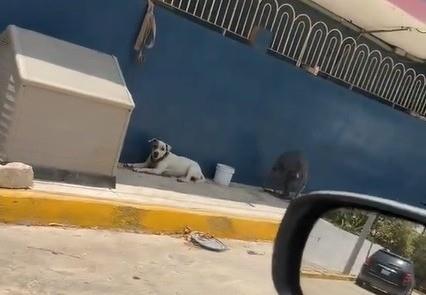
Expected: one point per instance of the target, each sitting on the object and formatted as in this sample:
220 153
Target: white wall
329 247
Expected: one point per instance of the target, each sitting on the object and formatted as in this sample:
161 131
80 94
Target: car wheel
359 282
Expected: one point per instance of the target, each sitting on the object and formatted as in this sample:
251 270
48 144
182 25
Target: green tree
391 233
419 259
394 234
350 220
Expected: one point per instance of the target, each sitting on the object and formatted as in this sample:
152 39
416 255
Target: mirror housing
300 218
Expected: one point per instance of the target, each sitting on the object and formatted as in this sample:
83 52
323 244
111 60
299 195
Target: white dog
162 162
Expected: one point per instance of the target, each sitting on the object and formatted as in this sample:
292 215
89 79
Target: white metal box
63 107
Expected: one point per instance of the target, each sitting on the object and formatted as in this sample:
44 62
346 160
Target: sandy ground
42 260
51 260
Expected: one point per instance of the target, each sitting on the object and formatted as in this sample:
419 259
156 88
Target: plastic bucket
223 174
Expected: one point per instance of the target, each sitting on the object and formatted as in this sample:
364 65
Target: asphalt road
329 287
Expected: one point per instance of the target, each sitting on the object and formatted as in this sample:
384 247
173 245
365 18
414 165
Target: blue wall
217 100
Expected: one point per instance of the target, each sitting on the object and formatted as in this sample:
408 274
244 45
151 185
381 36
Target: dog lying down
163 162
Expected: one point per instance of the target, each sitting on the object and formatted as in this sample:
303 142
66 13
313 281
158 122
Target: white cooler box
63 108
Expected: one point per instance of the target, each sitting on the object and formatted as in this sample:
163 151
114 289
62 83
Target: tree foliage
349 220
419 259
394 234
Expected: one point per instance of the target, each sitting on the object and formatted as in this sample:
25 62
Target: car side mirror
313 219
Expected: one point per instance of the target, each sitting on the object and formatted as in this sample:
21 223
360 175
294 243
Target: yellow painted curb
327 276
39 208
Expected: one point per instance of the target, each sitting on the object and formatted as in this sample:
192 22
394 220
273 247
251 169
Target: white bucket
223 174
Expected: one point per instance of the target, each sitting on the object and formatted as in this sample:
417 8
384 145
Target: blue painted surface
217 100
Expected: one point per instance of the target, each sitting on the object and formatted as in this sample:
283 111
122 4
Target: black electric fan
288 176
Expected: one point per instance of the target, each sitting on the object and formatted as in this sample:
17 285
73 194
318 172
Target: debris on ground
202 240
186 234
57 224
252 252
187 231
54 252
207 241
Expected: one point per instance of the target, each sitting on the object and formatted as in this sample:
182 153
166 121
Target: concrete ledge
41 208
327 276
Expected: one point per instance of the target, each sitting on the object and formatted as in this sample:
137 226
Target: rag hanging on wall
146 37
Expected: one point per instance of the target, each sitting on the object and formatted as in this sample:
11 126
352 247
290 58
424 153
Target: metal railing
314 44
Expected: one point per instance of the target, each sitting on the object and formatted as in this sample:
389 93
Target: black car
388 272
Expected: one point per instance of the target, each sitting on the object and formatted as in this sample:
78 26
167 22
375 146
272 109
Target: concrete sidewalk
145 189
148 203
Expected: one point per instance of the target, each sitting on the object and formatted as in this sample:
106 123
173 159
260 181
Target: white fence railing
297 37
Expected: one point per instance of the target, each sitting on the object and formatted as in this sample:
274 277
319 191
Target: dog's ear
152 140
168 147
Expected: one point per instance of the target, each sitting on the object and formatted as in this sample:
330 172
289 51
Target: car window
392 259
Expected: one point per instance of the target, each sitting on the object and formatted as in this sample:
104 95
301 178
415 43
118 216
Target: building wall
215 99
330 247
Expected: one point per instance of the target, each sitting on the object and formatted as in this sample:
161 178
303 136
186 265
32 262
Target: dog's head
159 148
